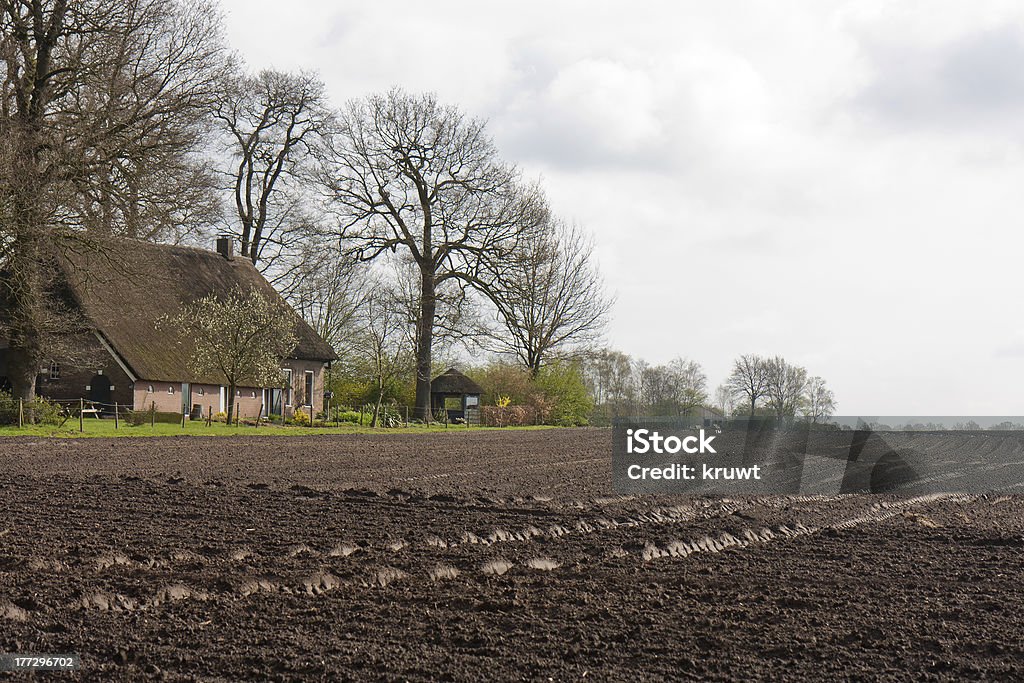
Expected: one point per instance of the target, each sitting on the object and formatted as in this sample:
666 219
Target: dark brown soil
483 555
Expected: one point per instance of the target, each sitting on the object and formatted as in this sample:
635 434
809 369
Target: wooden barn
457 395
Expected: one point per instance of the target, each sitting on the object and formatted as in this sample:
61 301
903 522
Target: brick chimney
226 246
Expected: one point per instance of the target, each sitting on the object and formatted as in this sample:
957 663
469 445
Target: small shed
457 395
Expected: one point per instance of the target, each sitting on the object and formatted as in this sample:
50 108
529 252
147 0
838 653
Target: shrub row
509 416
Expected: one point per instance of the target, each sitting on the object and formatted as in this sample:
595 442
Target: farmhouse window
287 386
202 391
170 389
54 371
309 388
149 389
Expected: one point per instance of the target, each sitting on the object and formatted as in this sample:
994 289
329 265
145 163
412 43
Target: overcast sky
840 183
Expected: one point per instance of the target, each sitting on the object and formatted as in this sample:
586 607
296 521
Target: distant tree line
621 386
773 386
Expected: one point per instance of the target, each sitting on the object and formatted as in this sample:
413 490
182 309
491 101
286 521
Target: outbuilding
457 395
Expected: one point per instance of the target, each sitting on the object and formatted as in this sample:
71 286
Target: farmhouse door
273 401
100 389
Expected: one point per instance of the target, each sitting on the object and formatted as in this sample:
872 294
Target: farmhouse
123 292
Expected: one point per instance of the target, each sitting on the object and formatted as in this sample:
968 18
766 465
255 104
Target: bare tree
458 318
327 291
409 173
785 386
819 402
272 121
549 297
749 379
135 119
724 399
382 344
673 389
93 93
241 338
610 377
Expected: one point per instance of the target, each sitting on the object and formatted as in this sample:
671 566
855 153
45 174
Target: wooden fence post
259 416
209 416
116 417
184 412
238 408
81 414
152 414
21 413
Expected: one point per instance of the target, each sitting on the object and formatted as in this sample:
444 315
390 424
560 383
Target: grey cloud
976 80
1010 350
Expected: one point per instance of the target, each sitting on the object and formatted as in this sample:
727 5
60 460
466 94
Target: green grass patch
93 427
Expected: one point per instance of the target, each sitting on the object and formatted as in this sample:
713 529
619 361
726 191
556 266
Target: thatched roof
127 286
451 381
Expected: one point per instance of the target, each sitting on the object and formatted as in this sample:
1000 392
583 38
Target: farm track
507 553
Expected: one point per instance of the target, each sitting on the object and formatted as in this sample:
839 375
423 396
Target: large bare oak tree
408 173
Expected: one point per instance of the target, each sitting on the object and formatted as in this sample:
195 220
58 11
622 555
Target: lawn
92 427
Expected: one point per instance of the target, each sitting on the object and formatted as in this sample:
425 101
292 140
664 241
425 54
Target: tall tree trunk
22 373
533 362
425 338
25 298
376 408
231 402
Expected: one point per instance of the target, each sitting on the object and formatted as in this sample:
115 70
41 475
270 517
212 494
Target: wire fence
84 411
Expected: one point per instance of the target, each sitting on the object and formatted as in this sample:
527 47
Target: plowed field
483 555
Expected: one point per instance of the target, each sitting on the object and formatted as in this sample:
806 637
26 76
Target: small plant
389 416
348 416
300 417
220 417
502 404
